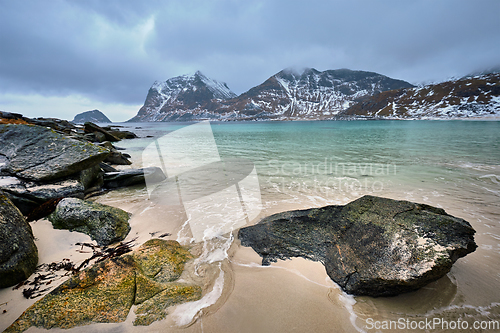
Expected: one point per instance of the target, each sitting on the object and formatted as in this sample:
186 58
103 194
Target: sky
59 58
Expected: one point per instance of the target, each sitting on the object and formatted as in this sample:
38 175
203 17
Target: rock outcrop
106 136
372 246
41 154
105 292
28 195
104 224
18 252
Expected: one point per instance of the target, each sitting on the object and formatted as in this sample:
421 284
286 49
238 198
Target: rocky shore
48 169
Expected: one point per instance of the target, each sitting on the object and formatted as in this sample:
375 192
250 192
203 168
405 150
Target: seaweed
47 273
43 210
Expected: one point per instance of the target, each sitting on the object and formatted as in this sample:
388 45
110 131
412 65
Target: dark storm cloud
112 51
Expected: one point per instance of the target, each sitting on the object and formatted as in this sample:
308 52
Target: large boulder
372 246
105 292
104 224
133 177
41 154
18 252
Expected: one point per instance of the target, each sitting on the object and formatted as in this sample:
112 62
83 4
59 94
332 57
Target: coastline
297 294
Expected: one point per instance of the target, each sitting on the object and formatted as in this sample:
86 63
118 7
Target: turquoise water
450 164
336 161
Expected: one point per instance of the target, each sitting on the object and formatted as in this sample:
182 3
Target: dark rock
105 292
372 246
18 252
117 158
60 125
107 145
40 154
91 128
133 177
28 195
11 115
107 168
91 178
104 224
123 134
100 137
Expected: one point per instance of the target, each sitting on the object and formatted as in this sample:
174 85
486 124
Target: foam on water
186 313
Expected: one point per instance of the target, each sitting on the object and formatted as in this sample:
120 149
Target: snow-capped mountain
289 94
181 97
310 94
476 96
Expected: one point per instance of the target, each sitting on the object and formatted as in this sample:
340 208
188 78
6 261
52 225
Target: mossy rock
105 292
162 260
104 224
155 308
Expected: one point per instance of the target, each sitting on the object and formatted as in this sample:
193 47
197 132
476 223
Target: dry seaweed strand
43 210
44 279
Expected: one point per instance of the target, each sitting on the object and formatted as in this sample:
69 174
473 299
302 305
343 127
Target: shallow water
450 164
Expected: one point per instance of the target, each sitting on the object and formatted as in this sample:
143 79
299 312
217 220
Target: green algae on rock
105 292
162 260
104 224
155 308
372 246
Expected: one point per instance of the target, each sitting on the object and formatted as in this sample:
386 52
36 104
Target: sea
223 176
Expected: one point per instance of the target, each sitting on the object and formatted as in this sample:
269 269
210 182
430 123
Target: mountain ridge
287 95
467 97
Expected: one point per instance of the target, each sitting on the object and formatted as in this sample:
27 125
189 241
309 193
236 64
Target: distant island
94 116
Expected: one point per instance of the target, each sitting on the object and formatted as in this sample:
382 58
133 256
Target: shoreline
295 294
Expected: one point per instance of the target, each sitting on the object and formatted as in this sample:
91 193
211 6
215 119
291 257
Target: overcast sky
59 58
